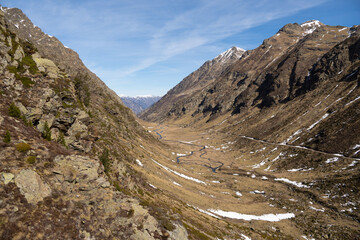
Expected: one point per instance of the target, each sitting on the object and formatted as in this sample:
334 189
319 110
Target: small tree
46 132
104 158
7 137
14 111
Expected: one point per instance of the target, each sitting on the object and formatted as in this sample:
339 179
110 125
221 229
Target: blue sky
142 47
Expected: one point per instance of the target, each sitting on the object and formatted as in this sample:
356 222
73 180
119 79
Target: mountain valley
256 144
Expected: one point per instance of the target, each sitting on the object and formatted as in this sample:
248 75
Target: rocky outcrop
31 186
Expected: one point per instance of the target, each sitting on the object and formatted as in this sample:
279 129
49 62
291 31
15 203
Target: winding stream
203 148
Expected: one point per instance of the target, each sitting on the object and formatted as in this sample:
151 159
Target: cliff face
62 174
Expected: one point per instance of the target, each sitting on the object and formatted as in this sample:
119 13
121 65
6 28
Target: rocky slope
62 175
139 103
192 85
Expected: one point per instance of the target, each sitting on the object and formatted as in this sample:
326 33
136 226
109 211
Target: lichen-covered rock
46 65
31 186
7 177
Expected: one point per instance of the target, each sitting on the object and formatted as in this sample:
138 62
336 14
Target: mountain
193 84
68 147
290 108
139 103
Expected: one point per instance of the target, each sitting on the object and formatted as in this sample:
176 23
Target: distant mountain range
139 103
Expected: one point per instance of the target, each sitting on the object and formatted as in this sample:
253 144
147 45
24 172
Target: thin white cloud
211 22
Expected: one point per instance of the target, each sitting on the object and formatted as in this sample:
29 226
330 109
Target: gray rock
22 108
19 53
31 186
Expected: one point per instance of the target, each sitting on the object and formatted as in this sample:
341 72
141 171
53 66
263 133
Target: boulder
46 65
31 186
74 167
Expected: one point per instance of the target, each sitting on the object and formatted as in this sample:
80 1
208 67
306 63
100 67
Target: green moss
14 111
26 81
31 159
22 147
7 137
28 61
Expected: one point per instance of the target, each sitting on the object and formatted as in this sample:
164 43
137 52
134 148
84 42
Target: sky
142 47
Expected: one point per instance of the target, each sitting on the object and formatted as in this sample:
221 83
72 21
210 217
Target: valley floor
225 181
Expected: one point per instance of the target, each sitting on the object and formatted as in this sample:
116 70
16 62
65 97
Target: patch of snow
181 154
257 192
352 101
295 170
264 178
139 163
342 29
203 211
253 176
298 184
317 209
331 160
306 238
152 186
238 194
226 193
247 217
313 26
177 184
356 146
316 123
215 181
17 26
244 236
179 174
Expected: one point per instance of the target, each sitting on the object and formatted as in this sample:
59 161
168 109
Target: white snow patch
298 184
139 163
257 192
316 123
253 176
181 154
242 235
247 217
215 181
317 209
342 29
17 26
180 174
238 194
306 238
264 178
352 101
331 160
177 184
152 186
203 211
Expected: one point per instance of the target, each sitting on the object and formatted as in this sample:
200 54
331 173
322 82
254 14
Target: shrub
14 111
26 81
7 137
104 158
22 147
31 159
61 139
46 132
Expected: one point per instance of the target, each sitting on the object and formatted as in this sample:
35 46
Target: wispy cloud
212 21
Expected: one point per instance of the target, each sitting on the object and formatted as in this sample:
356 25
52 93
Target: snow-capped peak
234 52
311 26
